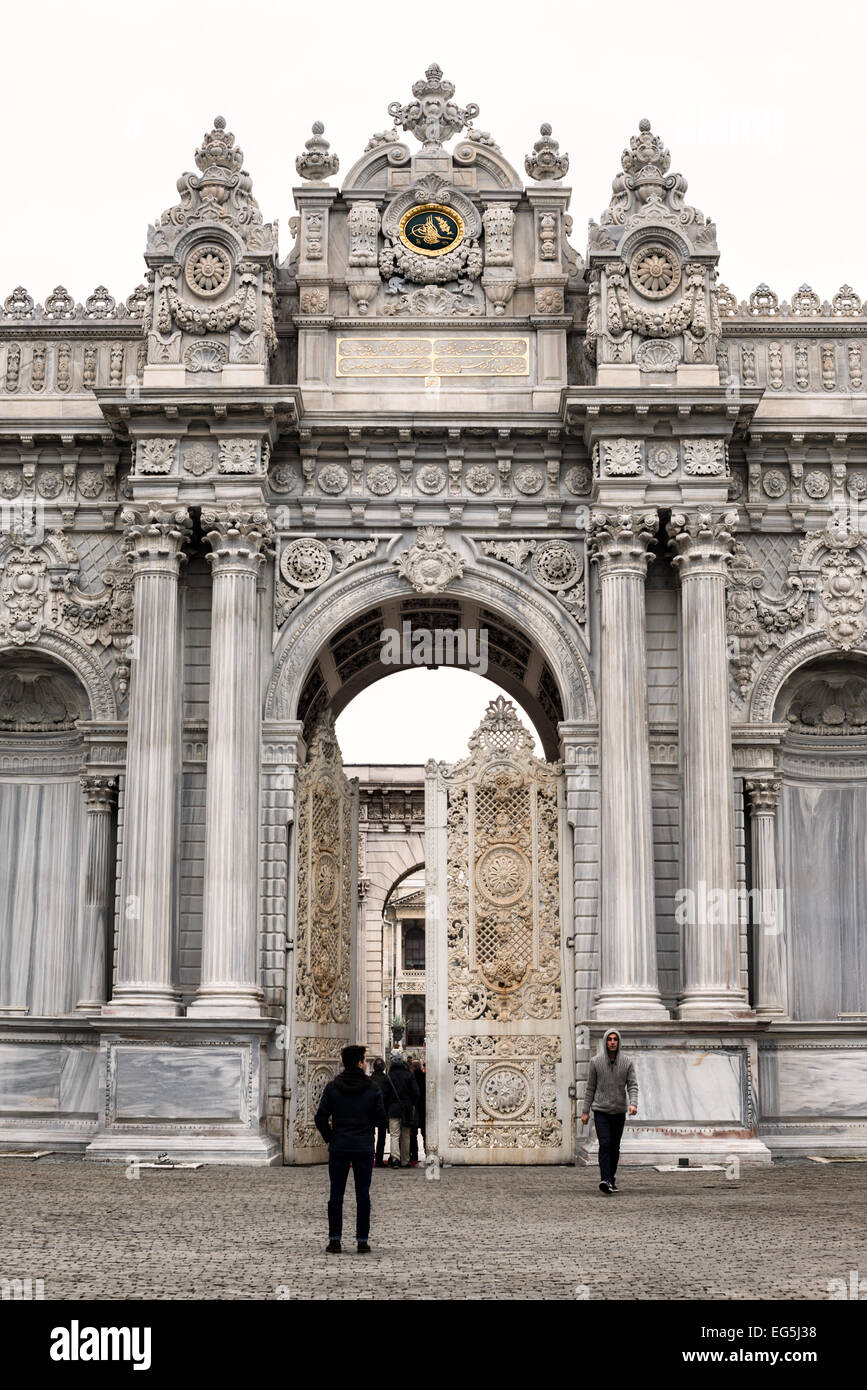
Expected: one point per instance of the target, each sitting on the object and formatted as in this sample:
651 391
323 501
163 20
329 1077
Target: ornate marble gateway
426 410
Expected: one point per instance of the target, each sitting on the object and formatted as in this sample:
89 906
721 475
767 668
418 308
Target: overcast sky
760 102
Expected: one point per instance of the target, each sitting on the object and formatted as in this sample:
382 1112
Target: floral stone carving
430 564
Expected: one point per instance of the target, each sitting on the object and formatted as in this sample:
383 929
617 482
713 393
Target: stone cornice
280 404
695 406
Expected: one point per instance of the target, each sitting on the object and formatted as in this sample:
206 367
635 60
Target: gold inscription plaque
455 356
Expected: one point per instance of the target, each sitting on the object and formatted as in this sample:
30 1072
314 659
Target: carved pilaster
628 983
710 984
770 994
230 975
100 798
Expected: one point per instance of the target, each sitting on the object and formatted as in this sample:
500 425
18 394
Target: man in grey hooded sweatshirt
611 1086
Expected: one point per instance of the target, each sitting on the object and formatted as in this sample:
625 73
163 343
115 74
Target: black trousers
339 1165
609 1130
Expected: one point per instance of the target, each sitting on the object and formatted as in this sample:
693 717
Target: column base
226 1001
90 1006
142 1003
612 1006
714 1004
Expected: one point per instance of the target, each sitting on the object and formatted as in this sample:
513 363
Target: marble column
708 907
100 798
230 985
144 981
628 981
769 959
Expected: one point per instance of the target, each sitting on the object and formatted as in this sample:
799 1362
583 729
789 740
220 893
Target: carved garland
689 313
214 318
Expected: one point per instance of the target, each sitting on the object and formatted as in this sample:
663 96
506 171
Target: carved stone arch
81 661
652 231
365 171
491 162
348 597
218 232
799 653
419 191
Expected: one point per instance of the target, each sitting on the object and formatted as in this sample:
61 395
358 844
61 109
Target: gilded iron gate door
499 1041
326 860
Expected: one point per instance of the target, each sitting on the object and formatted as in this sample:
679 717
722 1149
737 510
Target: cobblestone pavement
89 1231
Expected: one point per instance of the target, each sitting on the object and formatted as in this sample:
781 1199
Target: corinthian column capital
619 539
239 537
702 541
154 536
764 794
100 793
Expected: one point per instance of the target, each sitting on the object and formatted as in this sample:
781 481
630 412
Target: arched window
414 1023
413 947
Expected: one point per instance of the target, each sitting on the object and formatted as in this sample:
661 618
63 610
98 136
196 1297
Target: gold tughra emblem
431 229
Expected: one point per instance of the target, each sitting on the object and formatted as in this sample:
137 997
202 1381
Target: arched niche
822 835
41 831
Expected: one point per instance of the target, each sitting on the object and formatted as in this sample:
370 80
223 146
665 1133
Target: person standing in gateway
350 1110
612 1088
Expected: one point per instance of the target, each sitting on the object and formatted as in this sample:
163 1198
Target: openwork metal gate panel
498 1036
327 872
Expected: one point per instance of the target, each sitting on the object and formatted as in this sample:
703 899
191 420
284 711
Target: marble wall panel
180 1084
690 1087
813 1083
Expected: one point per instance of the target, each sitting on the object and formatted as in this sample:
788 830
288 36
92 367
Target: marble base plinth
190 1088
646 1146
203 1148
49 1084
755 1091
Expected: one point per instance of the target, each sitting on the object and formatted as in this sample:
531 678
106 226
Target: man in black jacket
380 1080
402 1100
353 1105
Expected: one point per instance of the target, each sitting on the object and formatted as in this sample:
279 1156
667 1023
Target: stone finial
645 191
546 161
218 151
220 192
433 117
646 153
317 162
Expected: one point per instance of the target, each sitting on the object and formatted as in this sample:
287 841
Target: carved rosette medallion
655 271
208 270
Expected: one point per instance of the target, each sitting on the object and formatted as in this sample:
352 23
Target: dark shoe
605 1189
363 1247
394 1163
613 1186
334 1248
380 1163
